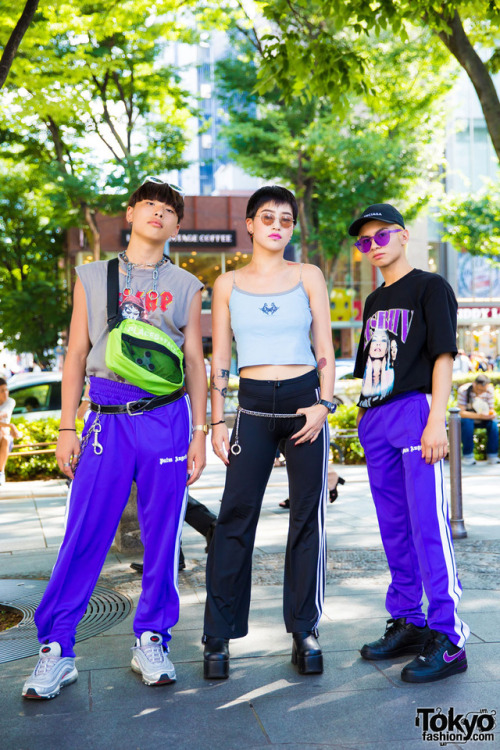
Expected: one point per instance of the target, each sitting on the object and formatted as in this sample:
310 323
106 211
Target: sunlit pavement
265 703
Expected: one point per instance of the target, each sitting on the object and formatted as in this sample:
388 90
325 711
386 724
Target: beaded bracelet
222 421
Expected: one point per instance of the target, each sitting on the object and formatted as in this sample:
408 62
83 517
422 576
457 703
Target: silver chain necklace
152 295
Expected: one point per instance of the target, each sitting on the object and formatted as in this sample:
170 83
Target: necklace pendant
152 296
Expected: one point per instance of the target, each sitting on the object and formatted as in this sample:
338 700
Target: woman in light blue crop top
274 308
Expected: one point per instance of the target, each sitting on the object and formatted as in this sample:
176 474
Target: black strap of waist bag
113 292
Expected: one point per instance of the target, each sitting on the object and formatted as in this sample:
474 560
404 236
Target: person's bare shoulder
223 285
312 277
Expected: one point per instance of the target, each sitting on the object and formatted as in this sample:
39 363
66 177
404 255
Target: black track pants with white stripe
229 564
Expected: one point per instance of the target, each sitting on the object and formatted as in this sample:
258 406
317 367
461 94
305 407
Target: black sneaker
400 638
440 658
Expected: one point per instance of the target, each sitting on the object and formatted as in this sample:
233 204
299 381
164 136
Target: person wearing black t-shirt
405 358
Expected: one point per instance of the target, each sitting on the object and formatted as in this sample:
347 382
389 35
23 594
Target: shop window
237 260
206 267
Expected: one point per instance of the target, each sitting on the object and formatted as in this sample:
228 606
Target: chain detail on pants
229 561
236 447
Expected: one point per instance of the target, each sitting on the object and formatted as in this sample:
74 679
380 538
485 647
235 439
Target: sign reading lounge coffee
206 238
196 238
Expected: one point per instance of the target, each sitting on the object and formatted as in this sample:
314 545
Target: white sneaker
468 460
493 459
52 672
2 477
151 661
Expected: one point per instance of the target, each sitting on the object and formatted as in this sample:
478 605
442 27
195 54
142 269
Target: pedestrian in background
8 431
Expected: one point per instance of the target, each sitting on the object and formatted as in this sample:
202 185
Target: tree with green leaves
91 106
471 223
15 34
34 308
92 100
338 160
308 47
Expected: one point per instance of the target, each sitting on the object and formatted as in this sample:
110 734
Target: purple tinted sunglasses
382 237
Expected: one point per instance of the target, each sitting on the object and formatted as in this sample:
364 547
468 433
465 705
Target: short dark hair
3 381
482 379
152 191
271 194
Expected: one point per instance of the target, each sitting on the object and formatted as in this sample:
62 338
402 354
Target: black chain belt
138 407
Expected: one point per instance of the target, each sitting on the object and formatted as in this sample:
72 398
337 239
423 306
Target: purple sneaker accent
460 655
435 662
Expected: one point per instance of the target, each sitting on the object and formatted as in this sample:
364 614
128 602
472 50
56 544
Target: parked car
37 394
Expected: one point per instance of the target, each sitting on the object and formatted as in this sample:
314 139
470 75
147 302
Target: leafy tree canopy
308 46
92 95
339 161
34 307
472 222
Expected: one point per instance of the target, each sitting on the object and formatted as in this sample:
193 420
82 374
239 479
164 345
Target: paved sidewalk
355 704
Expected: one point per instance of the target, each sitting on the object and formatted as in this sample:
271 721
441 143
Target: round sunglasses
382 237
267 218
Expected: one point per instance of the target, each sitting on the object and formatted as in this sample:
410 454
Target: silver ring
66 464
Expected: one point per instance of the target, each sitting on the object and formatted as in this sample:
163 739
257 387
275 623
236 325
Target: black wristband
221 421
66 429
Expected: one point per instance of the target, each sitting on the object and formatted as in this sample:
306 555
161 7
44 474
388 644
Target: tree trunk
96 235
303 188
304 230
16 38
460 47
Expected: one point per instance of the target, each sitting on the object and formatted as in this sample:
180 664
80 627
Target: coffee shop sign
196 238
478 313
201 238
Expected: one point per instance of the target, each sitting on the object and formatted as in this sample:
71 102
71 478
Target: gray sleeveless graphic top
169 311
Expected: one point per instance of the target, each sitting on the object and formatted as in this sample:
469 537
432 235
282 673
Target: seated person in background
31 404
476 403
8 431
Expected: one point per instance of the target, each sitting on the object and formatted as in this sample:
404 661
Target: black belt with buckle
138 407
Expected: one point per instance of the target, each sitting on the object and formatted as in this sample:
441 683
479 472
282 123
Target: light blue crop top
272 329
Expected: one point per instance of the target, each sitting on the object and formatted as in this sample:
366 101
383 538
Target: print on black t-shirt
406 325
382 333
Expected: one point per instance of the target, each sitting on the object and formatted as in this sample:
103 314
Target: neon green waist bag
144 355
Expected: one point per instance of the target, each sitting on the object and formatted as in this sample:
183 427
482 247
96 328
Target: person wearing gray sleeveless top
285 394
131 434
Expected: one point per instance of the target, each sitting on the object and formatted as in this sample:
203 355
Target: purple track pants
150 448
412 510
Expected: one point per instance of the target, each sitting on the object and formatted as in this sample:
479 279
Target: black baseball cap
378 212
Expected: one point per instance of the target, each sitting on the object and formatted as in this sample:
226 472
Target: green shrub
38 466
345 419
42 466
480 438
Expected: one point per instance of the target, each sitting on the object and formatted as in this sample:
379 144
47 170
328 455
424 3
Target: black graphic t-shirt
405 327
